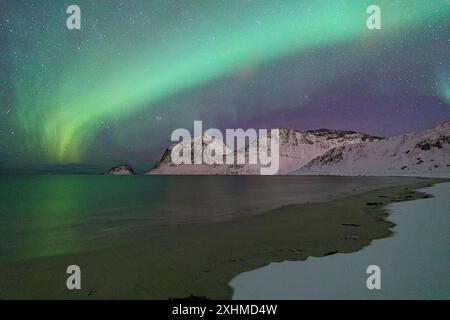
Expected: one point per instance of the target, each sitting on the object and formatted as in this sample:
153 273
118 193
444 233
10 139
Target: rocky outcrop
122 170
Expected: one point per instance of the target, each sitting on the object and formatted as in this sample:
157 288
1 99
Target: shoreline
200 260
413 262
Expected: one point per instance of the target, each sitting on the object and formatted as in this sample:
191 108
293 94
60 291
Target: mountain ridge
337 152
424 153
296 149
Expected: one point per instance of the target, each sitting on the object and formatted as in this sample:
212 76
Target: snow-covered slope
424 153
296 149
166 166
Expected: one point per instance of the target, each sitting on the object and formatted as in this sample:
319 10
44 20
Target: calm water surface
48 215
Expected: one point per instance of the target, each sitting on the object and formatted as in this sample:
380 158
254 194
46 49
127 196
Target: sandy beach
199 259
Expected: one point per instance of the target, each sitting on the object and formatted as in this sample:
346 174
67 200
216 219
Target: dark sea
52 215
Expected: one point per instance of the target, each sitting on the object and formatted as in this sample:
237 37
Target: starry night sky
115 90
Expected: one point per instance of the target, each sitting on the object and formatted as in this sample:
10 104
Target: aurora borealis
138 69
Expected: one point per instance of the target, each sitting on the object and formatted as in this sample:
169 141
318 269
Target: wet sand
201 259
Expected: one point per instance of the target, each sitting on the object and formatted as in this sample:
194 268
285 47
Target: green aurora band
58 110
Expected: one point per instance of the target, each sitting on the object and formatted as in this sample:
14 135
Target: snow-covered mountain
424 153
166 167
296 149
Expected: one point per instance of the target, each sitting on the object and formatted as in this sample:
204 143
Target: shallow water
415 262
51 215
